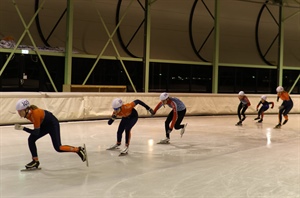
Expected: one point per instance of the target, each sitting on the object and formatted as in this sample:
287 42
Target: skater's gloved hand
169 130
151 111
281 107
110 121
256 109
19 127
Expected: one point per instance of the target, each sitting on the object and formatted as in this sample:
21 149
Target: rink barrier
79 106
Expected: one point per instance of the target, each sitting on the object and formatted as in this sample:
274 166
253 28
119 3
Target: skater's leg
239 111
243 112
54 132
262 115
127 137
131 122
287 109
33 150
121 129
280 115
56 142
32 146
181 115
167 123
259 114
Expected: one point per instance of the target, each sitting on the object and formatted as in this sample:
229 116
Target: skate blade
181 134
162 143
111 149
30 169
86 156
123 154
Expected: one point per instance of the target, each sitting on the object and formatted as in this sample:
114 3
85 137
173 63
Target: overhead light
23 51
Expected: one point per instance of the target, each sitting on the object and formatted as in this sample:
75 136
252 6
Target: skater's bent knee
177 127
58 149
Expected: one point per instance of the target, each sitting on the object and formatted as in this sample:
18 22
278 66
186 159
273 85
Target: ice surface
214 158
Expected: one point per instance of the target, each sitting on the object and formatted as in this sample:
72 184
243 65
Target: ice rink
213 159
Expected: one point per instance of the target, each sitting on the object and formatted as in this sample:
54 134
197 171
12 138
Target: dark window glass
162 76
201 79
288 80
180 78
26 73
250 80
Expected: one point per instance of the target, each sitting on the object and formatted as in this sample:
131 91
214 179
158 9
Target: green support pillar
215 63
146 57
69 46
281 47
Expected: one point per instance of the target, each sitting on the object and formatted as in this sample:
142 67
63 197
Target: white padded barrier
88 106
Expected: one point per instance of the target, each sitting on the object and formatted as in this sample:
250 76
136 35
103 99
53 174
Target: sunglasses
116 109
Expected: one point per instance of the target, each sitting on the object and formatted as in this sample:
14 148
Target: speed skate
164 141
123 154
124 151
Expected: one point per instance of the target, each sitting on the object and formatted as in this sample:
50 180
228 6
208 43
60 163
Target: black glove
151 111
112 119
19 127
281 107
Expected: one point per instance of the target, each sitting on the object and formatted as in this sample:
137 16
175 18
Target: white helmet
264 97
279 89
241 93
164 96
117 103
22 104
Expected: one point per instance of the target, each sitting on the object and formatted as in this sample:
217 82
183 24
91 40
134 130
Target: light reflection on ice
269 135
150 145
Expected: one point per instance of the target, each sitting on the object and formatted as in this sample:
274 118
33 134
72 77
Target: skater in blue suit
174 118
265 106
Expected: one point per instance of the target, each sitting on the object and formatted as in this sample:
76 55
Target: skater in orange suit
129 118
44 123
285 107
